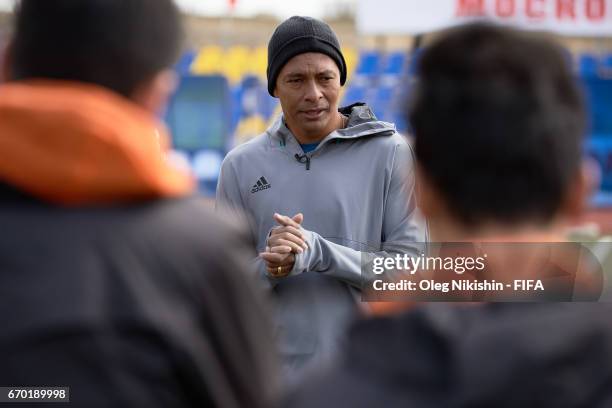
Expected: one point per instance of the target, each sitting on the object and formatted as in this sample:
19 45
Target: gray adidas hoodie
356 191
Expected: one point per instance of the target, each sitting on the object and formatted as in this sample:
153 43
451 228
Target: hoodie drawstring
303 159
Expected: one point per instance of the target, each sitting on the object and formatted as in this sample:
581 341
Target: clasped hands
284 242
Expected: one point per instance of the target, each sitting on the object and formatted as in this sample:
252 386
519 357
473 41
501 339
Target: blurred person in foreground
324 189
498 122
113 280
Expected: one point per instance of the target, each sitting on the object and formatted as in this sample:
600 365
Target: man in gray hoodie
324 190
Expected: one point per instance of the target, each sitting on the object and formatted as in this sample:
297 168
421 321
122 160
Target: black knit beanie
299 35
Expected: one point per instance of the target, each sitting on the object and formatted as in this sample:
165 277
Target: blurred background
222 99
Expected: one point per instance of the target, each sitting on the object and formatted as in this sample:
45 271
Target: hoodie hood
362 123
78 144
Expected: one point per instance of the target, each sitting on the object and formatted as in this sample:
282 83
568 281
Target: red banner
568 17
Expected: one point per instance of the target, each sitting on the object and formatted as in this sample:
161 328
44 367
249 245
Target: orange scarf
76 144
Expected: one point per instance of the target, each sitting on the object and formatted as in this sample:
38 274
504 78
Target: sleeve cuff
304 260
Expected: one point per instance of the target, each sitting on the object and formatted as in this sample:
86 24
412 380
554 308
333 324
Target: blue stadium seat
587 65
183 65
236 97
598 93
255 99
600 148
414 61
354 93
400 123
605 70
382 103
389 105
394 63
369 62
268 105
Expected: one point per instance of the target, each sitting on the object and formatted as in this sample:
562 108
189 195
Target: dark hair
498 122
117 44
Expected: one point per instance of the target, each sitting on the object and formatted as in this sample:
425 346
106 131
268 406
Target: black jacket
130 306
495 355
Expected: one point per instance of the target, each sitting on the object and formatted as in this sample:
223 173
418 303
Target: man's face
308 87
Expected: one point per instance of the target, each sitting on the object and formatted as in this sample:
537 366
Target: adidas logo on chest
262 184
